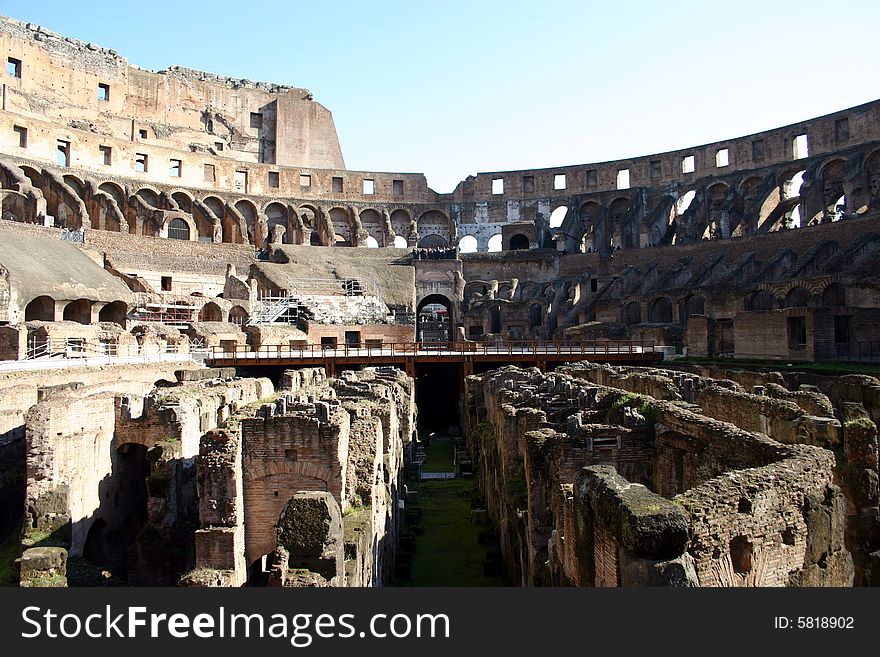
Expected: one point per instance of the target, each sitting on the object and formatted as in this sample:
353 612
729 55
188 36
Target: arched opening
792 186
149 197
741 551
435 222
432 241
372 243
178 229
519 242
276 218
834 201
40 309
79 311
467 244
113 312
183 200
34 176
558 216
536 318
76 185
400 242
341 221
632 313
400 222
210 312
834 295
684 202
371 221
619 230
248 211
238 315
434 319
797 297
760 300
215 205
315 239
115 192
661 311
693 305
495 244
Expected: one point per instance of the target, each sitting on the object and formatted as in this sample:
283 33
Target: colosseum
228 360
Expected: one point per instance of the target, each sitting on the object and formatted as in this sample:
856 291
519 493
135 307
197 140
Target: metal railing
80 348
447 349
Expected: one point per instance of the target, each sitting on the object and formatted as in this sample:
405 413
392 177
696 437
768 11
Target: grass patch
448 553
440 456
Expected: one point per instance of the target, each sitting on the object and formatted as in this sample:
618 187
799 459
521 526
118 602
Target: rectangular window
559 181
218 146
687 164
106 155
800 147
337 184
142 133
528 184
140 162
369 186
592 178
656 169
175 168
241 182
758 150
797 332
62 153
305 180
103 92
256 120
841 130
166 284
13 67
210 173
397 188
498 185
623 179
594 285
274 179
841 329
328 341
722 158
21 133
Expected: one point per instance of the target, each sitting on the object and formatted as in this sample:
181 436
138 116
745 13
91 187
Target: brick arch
260 469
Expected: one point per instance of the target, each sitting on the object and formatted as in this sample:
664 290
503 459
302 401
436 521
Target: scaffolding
286 305
173 311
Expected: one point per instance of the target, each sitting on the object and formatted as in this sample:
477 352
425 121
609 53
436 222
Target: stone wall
756 512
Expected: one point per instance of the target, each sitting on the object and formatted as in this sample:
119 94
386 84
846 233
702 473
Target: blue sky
455 88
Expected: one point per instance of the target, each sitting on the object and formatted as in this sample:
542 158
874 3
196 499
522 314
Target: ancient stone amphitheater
226 359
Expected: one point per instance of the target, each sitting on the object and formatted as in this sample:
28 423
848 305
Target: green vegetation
47 581
636 401
831 369
448 553
440 456
9 552
484 432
